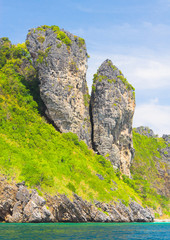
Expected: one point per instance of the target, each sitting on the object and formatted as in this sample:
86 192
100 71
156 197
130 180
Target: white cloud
143 73
153 115
146 73
142 53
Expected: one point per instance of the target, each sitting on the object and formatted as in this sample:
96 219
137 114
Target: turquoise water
72 231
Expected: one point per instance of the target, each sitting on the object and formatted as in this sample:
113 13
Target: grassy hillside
33 151
146 168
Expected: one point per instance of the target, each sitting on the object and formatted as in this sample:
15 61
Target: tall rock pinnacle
112 108
61 61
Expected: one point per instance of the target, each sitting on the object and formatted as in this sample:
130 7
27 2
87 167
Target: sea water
72 231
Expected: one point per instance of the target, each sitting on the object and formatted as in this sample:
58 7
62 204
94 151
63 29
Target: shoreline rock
20 204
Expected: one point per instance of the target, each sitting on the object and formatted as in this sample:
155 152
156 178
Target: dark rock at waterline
25 205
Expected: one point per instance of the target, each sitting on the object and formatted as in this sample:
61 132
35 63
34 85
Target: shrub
71 187
71 137
41 39
124 80
86 99
81 42
93 88
59 45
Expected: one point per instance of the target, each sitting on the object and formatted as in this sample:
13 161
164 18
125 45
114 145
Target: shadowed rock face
112 109
61 61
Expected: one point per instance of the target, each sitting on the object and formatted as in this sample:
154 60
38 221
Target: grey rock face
112 108
29 207
7 199
23 195
146 131
61 61
19 204
100 176
79 210
140 214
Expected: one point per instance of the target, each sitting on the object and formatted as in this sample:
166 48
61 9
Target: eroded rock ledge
20 204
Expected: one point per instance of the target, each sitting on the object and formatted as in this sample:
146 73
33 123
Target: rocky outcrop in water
112 108
20 204
79 210
61 61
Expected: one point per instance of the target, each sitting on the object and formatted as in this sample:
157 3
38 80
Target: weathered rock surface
19 204
61 61
146 131
112 108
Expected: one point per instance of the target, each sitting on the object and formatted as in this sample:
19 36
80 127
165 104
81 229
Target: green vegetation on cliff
61 35
33 151
149 171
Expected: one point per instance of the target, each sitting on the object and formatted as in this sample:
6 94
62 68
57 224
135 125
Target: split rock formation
60 59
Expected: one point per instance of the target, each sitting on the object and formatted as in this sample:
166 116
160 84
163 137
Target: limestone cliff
61 61
112 108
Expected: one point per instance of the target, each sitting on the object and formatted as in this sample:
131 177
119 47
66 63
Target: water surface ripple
73 231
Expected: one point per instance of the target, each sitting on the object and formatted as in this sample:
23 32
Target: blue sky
134 34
